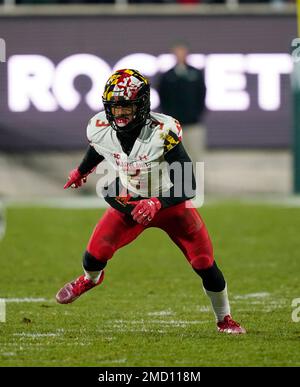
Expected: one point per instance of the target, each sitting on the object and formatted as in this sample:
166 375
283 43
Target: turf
150 310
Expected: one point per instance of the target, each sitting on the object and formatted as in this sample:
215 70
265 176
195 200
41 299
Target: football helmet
127 88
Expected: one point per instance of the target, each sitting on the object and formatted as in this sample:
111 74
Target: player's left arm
182 177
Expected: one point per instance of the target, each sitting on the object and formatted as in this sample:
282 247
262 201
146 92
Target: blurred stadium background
57 57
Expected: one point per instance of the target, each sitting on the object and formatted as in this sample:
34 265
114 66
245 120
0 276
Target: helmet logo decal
123 86
127 87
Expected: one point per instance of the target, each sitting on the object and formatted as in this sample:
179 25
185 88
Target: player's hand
75 180
145 210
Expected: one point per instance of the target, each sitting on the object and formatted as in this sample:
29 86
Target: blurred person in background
136 142
182 94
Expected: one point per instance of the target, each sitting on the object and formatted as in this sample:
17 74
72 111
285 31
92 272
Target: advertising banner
54 71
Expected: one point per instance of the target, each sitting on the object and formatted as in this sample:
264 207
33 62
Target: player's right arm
91 158
79 175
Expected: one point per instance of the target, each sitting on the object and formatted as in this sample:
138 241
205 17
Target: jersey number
132 178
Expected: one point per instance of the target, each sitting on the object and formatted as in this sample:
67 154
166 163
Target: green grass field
151 309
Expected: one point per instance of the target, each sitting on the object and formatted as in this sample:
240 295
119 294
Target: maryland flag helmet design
127 87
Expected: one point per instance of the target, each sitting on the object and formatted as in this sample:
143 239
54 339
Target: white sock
92 275
220 303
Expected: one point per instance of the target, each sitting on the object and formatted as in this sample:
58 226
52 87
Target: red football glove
76 179
145 210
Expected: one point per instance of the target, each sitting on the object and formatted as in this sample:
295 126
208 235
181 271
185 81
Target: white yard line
161 313
26 299
118 323
204 309
36 335
8 353
252 295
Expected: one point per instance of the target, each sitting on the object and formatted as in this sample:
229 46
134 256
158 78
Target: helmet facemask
127 88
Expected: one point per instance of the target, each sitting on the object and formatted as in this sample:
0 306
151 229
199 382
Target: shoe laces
231 323
82 284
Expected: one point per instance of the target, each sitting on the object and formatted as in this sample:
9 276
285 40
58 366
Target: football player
137 142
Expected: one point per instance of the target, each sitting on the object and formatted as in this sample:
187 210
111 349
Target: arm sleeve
90 161
181 175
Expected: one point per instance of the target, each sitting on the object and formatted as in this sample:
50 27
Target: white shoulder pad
168 123
176 128
172 132
95 125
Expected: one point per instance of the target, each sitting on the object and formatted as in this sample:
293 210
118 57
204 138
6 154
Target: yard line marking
252 295
171 322
27 299
36 335
118 323
2 310
8 353
204 309
161 313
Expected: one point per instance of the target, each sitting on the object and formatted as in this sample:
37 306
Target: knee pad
200 252
202 257
202 261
